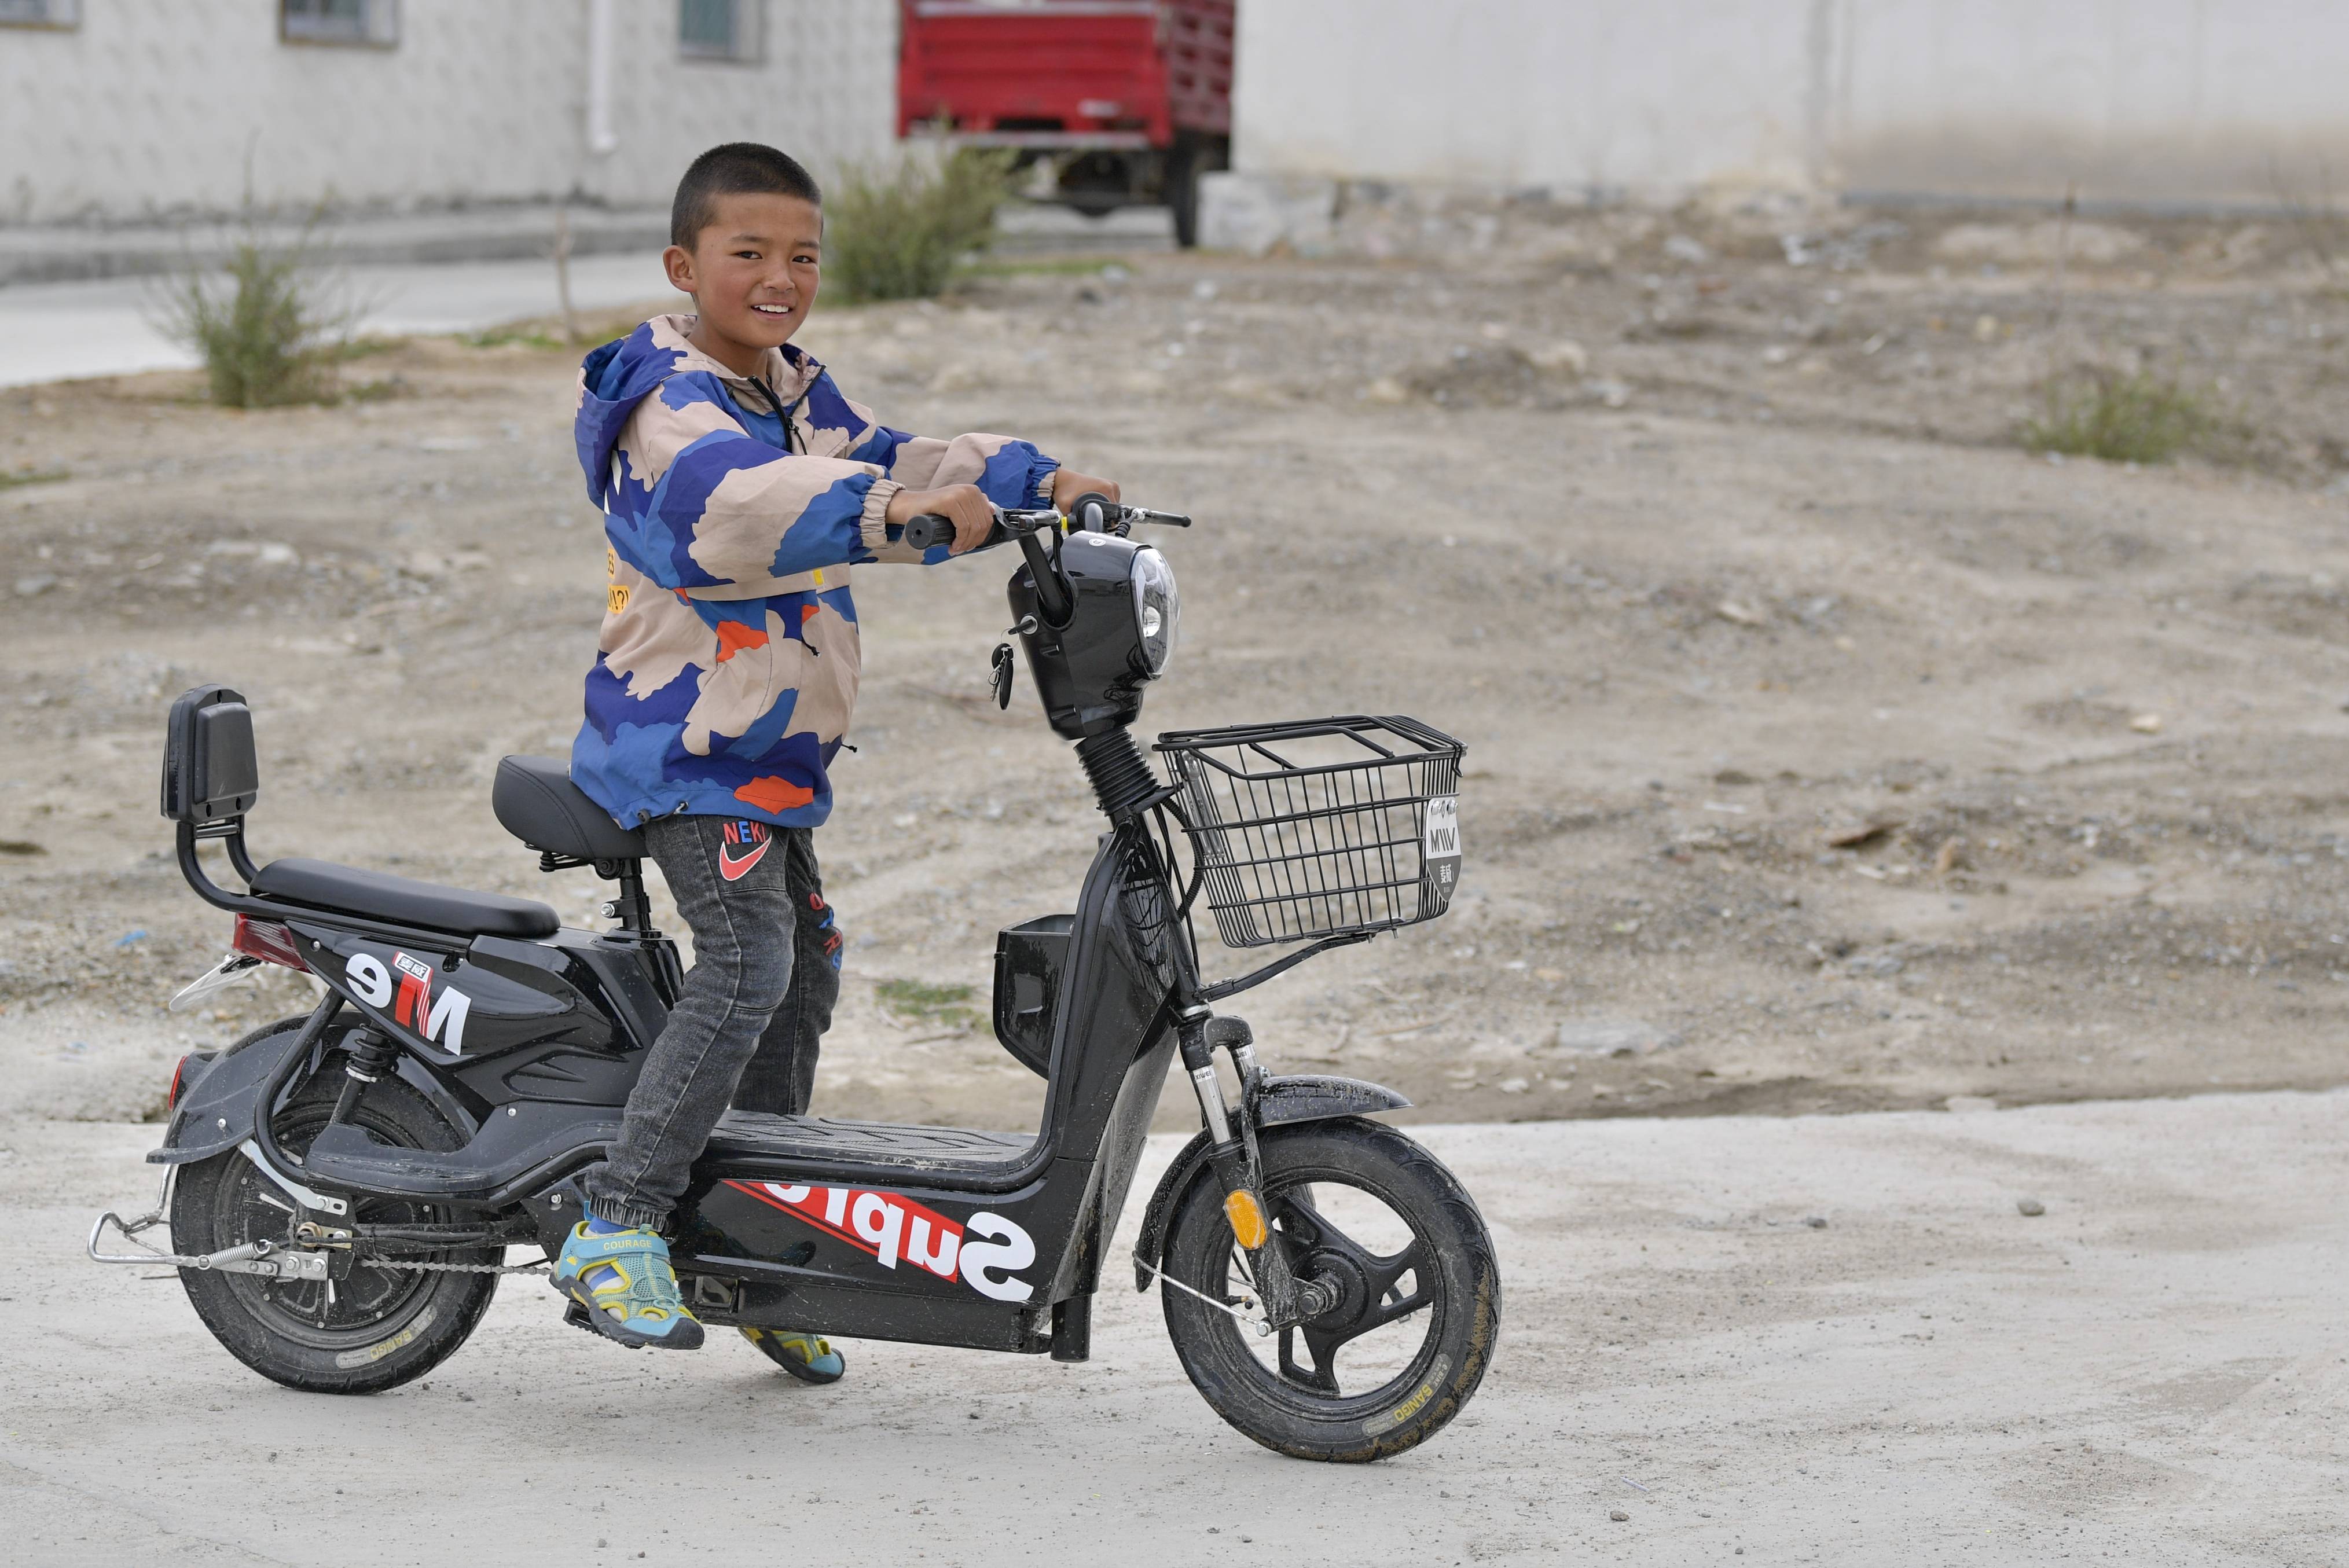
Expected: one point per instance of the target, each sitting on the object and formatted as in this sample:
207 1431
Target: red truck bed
1068 73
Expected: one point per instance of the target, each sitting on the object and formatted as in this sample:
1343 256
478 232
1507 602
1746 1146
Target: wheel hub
1340 1275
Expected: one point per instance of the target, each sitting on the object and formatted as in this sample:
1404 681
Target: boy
737 486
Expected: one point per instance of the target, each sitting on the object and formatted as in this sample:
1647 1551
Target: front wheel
1366 1210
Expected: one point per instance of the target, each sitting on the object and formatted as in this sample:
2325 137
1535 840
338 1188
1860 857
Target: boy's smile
753 273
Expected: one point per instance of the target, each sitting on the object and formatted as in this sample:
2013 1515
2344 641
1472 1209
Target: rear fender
1281 1101
218 1112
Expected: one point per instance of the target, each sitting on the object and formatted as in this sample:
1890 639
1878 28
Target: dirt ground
1825 750
1744 1341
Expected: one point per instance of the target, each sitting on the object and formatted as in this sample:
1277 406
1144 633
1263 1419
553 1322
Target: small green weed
367 347
32 477
916 1002
1050 266
500 336
900 235
2134 419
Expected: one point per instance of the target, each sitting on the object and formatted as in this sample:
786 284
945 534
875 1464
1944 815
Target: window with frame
721 29
40 12
368 24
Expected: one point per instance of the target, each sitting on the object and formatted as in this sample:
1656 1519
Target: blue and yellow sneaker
806 1356
621 1285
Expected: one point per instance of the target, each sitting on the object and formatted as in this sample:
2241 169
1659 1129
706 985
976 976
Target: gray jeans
749 1022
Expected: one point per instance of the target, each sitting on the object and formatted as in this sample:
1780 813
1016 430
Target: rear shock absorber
372 1054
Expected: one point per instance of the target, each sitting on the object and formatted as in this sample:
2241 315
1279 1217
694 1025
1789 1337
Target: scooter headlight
1157 608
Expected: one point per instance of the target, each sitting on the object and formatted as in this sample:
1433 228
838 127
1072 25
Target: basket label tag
1441 849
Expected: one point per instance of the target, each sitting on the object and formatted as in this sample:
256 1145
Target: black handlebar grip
929 529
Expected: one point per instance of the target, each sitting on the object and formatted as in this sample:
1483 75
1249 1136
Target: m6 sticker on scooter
983 1251
1441 848
439 1019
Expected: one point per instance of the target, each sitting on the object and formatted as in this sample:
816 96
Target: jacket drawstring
784 415
780 412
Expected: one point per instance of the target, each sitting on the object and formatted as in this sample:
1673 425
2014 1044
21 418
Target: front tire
1422 1304
375 1327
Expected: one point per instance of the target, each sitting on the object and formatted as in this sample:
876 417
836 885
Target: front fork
1233 1155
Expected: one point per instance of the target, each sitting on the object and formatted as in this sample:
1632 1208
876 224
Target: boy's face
753 273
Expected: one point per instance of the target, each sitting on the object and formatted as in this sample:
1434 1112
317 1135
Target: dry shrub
271 333
2138 417
899 235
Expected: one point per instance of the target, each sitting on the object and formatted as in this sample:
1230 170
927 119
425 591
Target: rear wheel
1182 192
1190 157
1364 1209
374 1328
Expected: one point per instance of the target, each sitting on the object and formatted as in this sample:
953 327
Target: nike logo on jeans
735 868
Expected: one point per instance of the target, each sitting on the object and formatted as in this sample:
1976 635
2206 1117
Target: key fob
1002 675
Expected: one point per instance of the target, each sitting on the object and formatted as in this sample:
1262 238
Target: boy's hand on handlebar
1068 485
967 506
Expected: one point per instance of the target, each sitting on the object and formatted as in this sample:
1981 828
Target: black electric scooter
341 1189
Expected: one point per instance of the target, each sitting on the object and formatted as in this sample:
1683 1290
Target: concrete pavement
51 332
62 330
2153 1371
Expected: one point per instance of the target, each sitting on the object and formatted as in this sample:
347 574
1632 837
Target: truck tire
1190 157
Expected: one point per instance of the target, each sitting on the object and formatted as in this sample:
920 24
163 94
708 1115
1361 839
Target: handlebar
930 528
1106 516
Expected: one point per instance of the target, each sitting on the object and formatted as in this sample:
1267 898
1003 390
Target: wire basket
1321 827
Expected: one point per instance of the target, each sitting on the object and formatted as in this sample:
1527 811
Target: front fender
1316 1098
1281 1101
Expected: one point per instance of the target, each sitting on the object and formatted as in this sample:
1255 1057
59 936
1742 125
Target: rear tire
1182 187
1190 157
1415 1389
381 1326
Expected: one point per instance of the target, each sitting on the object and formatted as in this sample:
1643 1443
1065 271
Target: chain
457 1268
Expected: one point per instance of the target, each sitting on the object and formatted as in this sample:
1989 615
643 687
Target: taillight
179 1071
268 941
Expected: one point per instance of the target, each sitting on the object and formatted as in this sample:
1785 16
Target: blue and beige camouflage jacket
727 668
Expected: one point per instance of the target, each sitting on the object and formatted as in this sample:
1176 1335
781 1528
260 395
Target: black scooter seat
378 896
754 1135
537 802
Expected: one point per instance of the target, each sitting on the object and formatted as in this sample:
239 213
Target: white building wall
1564 93
2133 100
152 107
2156 101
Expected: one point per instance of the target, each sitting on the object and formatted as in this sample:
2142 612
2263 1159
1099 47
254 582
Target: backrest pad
210 770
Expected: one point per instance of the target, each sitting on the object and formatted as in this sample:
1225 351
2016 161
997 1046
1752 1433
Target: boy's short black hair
734 168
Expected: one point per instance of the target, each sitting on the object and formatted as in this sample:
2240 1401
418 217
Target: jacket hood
615 378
